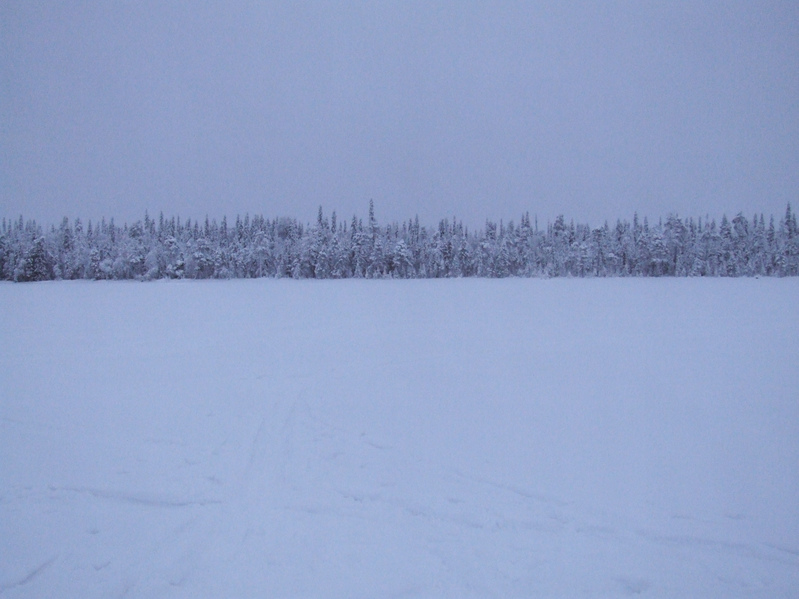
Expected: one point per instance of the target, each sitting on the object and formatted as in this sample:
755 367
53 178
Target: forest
331 248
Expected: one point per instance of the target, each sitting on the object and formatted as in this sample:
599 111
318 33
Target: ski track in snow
301 459
137 498
28 577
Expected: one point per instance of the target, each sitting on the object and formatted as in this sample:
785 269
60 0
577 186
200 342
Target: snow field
458 438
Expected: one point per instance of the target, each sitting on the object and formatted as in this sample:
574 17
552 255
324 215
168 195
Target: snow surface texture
460 438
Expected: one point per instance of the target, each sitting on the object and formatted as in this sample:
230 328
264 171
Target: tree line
330 248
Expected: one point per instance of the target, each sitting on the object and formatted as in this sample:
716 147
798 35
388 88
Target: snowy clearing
439 438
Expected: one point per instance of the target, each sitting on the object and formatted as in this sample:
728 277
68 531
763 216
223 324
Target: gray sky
595 110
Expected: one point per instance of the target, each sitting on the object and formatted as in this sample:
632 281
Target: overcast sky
477 110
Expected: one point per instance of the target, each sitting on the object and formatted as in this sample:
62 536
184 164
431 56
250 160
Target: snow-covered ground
457 438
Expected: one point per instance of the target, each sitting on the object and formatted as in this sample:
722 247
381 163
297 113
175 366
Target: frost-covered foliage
283 247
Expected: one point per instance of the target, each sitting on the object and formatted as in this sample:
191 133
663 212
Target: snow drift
459 438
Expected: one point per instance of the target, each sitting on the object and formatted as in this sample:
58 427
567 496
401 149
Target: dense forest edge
255 246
